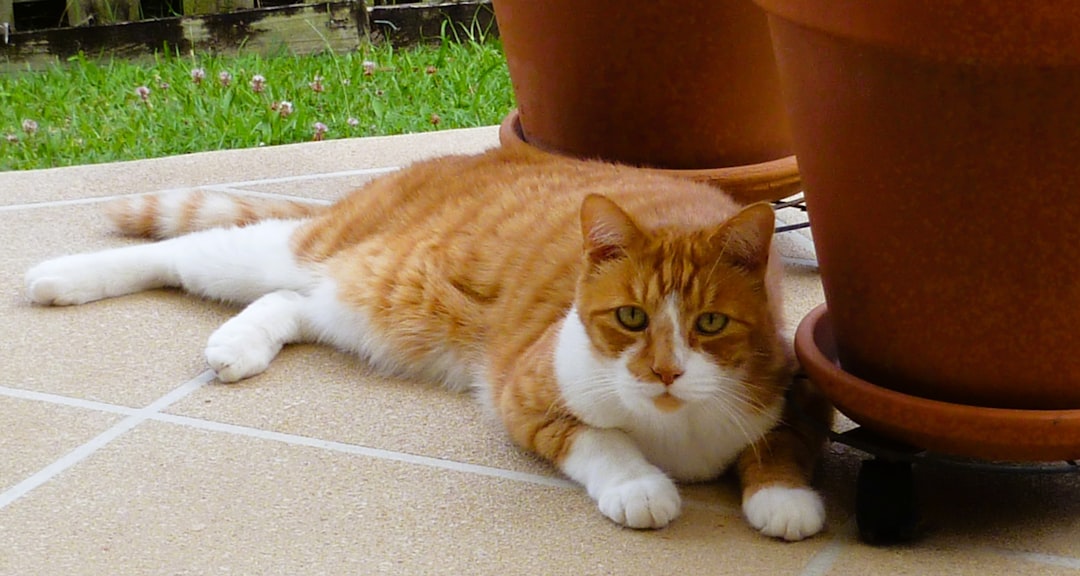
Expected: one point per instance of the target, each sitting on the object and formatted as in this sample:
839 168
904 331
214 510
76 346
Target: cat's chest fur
697 442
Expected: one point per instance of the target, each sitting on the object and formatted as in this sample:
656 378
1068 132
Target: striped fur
181 212
506 274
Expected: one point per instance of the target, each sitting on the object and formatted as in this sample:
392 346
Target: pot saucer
767 181
954 429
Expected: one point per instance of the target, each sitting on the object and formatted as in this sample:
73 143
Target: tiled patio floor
121 455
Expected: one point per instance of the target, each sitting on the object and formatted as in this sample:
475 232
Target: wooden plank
192 7
101 12
303 28
415 23
7 17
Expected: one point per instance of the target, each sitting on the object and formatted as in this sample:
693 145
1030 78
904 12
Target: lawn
88 111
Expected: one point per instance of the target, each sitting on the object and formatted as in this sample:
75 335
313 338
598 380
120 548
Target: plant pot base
996 434
767 181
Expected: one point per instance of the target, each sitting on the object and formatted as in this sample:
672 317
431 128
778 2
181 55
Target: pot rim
1038 32
766 181
955 429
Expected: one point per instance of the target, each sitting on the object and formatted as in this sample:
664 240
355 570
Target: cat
623 325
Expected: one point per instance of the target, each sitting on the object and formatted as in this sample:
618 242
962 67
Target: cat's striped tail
171 214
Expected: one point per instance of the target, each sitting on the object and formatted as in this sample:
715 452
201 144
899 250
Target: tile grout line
67 401
225 189
239 184
355 449
822 562
152 412
296 440
316 176
82 452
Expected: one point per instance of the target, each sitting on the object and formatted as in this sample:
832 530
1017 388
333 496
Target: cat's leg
235 265
246 344
81 278
776 471
627 488
614 471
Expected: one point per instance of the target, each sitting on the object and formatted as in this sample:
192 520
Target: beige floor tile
802 292
329 188
925 560
35 434
164 499
127 351
799 243
974 520
209 168
1025 513
318 392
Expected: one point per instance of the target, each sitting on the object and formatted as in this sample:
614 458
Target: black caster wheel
885 506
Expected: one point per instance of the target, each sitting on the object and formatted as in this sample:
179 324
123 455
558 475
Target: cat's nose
667 374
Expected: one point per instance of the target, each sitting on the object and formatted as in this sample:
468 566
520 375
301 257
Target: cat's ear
745 239
607 231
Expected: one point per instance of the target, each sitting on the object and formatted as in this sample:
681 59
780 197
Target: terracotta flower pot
939 144
690 85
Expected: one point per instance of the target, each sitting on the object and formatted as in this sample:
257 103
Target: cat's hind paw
52 283
50 291
645 502
789 513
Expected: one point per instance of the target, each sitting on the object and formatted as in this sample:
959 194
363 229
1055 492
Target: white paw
788 513
236 352
646 502
56 283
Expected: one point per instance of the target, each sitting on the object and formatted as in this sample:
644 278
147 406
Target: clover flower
224 78
198 75
320 130
352 121
284 108
317 85
258 83
29 126
143 92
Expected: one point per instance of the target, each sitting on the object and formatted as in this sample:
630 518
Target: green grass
88 111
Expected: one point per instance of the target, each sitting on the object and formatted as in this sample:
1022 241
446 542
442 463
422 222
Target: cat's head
682 315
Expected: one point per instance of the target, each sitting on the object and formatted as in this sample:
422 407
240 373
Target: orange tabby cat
623 325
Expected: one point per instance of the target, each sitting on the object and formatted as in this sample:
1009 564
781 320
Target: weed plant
88 111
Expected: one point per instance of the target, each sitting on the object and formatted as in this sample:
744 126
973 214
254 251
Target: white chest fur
696 442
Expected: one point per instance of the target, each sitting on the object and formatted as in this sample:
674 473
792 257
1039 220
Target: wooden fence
34 33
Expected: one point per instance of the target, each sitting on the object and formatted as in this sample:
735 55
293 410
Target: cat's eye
632 318
711 323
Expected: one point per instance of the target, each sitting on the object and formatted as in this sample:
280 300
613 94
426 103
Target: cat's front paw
236 352
788 513
645 502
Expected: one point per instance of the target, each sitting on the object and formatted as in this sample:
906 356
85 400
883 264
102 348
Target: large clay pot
939 144
687 85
